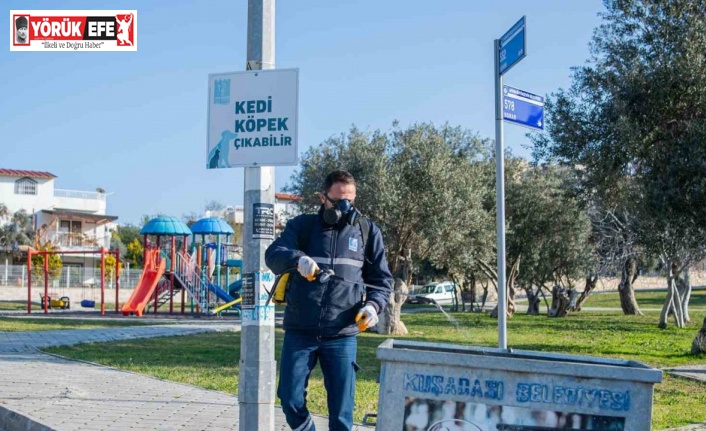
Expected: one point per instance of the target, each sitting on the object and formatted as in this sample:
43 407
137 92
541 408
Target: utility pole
256 391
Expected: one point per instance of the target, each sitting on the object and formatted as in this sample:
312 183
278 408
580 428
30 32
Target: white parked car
442 293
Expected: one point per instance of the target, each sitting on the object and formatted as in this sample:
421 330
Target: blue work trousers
337 357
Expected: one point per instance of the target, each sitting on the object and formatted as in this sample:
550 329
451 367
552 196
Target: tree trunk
485 295
509 290
474 290
672 303
390 323
591 283
462 293
573 296
467 297
544 297
699 344
455 299
686 295
560 302
405 267
626 288
511 307
677 310
533 300
668 303
514 273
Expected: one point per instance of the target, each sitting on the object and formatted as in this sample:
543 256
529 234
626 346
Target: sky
134 123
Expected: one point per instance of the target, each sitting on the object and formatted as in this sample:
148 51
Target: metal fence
71 276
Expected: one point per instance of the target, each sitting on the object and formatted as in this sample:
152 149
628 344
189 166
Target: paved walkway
41 392
31 341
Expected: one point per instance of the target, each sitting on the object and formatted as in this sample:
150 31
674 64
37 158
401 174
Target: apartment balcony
78 200
78 194
77 241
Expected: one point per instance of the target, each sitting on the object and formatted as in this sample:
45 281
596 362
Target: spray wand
325 276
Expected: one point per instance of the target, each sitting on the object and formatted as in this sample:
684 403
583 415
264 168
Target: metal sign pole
508 50
256 391
500 199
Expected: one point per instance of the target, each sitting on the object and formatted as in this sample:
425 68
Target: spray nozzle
324 276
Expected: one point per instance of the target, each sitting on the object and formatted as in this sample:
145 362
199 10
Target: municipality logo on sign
73 30
221 92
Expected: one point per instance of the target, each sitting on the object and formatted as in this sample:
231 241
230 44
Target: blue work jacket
329 309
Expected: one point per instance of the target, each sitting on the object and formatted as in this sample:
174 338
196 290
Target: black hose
323 276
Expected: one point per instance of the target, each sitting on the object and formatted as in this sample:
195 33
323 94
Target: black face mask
343 209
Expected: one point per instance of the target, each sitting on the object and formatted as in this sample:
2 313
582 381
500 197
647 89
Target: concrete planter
441 387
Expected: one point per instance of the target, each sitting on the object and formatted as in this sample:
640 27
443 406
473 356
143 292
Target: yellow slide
226 306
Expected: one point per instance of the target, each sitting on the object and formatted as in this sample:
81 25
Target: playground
186 271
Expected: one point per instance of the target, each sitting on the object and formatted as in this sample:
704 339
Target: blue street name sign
513 46
523 108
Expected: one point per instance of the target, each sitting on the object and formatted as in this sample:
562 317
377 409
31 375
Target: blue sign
523 108
513 46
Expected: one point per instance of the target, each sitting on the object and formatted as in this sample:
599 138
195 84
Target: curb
13 421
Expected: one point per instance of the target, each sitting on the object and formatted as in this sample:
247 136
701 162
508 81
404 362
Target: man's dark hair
338 177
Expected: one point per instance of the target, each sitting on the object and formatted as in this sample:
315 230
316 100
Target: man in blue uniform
322 319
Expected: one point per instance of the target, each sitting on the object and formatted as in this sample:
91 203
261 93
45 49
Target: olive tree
632 121
548 229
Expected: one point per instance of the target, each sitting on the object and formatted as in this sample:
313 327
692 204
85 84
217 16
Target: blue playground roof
212 226
165 226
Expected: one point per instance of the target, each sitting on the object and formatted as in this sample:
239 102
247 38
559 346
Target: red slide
154 269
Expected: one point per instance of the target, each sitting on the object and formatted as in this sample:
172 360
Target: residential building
286 207
232 214
69 219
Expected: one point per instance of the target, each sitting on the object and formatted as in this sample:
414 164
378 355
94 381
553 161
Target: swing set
59 301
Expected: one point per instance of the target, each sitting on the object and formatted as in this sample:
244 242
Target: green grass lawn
17 306
697 303
211 360
12 324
